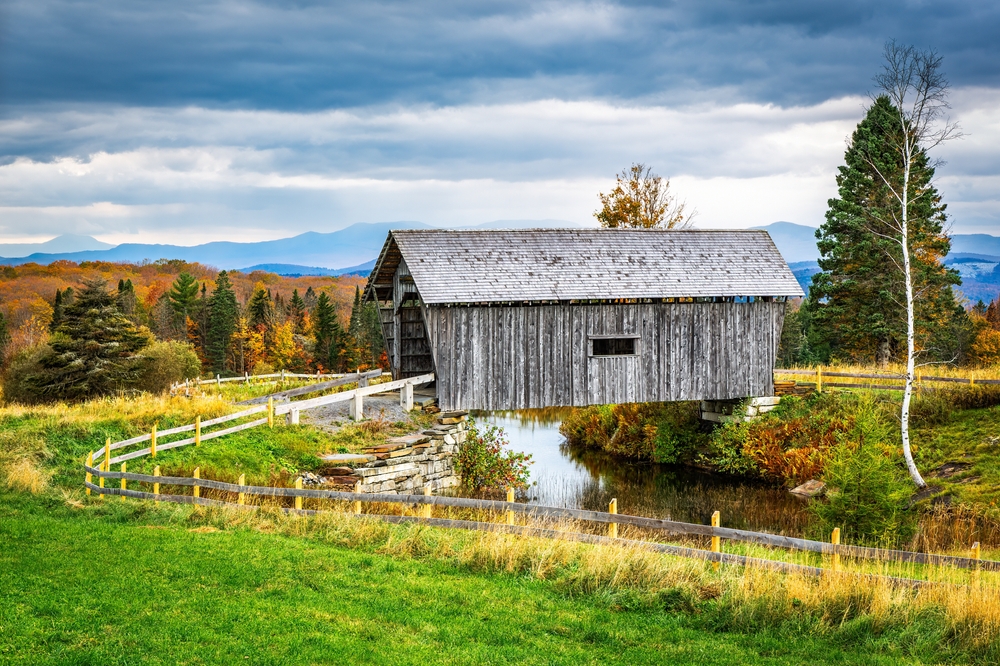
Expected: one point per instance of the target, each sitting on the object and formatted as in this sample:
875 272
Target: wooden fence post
428 509
282 375
218 381
510 514
242 498
270 412
156 484
100 479
613 527
819 379
197 475
716 541
124 482
835 540
975 551
152 442
357 411
357 503
90 463
298 500
107 454
406 397
197 430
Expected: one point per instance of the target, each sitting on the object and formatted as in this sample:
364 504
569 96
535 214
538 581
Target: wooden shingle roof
524 265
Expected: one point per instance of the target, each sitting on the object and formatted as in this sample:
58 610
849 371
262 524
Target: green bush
165 363
869 490
24 364
485 463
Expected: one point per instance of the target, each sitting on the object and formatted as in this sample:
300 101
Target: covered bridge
557 317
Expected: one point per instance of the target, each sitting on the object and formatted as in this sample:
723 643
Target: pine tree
260 309
4 338
859 294
297 312
328 333
183 295
223 314
126 298
57 311
310 299
94 350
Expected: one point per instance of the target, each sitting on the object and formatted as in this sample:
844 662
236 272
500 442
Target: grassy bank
135 583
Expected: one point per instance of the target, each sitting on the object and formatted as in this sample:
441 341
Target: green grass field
80 588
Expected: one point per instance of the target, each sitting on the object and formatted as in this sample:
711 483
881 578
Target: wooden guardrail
249 379
821 375
361 378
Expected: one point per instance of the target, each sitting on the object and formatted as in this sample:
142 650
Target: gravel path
332 418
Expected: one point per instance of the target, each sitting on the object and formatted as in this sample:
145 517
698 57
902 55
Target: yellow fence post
197 475
298 499
975 551
107 454
156 484
242 496
197 430
152 441
613 527
90 463
716 541
428 509
100 479
972 379
819 380
357 503
510 514
835 540
270 412
124 482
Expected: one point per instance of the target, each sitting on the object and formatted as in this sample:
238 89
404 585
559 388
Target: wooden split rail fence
247 378
509 508
821 376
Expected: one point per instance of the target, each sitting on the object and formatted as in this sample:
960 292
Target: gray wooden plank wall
498 358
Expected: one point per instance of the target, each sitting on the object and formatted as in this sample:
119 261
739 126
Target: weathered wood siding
499 358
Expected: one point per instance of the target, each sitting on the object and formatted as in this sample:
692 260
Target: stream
573 477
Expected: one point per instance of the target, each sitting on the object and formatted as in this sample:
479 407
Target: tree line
101 340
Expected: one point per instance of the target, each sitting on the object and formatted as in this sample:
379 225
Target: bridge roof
525 265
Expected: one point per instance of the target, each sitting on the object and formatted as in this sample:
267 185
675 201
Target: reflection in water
583 478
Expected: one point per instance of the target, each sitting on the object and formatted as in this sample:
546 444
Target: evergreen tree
183 294
260 309
297 312
4 338
94 350
57 311
859 293
328 333
223 314
126 298
310 299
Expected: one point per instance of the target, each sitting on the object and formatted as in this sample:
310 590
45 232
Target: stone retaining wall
406 465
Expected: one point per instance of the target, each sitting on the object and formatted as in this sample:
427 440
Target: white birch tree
913 82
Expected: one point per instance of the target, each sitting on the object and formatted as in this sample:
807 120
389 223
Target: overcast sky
184 122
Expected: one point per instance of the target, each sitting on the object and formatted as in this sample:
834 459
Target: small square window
614 347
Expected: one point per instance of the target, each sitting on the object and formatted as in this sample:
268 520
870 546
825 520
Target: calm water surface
581 478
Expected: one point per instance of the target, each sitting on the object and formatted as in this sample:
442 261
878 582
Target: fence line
534 510
820 373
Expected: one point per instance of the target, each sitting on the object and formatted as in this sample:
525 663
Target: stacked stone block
406 465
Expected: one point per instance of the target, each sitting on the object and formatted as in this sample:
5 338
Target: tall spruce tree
223 316
328 333
94 351
57 311
183 296
260 309
858 296
297 312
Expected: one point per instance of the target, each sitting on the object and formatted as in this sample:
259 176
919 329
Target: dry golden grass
900 369
23 474
966 603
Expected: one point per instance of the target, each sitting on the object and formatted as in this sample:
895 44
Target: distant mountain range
975 256
352 249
